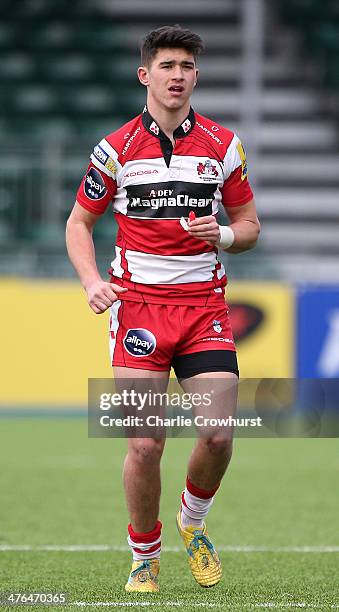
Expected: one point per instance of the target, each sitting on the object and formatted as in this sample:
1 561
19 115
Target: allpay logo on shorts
140 342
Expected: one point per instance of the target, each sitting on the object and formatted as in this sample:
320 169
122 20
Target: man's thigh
215 404
207 344
143 336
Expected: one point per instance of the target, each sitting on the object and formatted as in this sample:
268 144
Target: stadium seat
123 70
111 37
305 11
44 9
318 22
37 99
332 74
325 39
106 229
50 234
91 100
16 66
52 35
6 35
66 67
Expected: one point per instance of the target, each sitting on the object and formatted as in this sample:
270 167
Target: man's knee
146 450
220 446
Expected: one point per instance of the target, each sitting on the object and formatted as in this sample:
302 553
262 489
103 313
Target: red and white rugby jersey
152 185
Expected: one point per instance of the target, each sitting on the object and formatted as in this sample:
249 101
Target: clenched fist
204 228
101 295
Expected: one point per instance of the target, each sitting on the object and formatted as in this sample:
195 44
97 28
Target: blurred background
68 77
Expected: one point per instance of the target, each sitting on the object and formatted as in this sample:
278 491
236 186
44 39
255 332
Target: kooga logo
140 342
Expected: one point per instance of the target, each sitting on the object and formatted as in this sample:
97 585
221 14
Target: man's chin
175 105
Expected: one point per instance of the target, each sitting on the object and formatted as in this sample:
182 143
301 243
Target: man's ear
142 73
196 77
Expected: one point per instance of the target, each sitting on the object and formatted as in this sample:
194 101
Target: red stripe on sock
149 550
202 493
147 537
183 499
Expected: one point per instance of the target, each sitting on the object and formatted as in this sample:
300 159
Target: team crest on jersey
217 326
154 128
186 126
207 171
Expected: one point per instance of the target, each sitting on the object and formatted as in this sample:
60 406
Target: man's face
170 78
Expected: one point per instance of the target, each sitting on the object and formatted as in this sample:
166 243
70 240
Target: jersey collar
153 128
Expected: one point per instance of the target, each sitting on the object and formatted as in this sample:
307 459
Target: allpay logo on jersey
94 185
140 342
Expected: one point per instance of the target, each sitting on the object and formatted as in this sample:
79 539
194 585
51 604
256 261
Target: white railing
251 77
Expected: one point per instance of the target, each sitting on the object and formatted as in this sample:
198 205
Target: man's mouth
176 88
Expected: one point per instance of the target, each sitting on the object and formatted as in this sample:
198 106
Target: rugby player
166 172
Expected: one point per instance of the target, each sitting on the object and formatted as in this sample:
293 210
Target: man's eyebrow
187 62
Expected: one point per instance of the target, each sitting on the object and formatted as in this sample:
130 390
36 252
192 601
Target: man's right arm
79 240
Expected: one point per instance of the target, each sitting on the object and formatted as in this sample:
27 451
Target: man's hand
101 295
204 228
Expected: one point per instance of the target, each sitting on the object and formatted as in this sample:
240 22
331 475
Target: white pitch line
186 604
145 604
173 549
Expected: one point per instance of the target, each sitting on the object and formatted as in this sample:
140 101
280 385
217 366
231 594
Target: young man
167 285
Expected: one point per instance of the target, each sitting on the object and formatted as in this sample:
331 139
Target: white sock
194 509
145 545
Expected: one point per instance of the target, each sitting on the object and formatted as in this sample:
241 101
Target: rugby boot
144 576
202 557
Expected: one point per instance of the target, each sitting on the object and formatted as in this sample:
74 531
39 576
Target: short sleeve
236 189
99 185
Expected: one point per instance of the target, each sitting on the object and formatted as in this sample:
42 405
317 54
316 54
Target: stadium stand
68 78
318 22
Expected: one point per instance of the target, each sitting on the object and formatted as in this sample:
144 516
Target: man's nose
177 72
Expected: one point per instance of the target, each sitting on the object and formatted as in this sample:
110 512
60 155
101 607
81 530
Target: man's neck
168 121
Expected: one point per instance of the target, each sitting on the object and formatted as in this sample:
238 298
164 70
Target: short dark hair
170 37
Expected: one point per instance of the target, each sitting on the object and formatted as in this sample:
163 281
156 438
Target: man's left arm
244 224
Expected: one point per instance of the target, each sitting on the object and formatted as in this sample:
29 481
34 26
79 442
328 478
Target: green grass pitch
60 488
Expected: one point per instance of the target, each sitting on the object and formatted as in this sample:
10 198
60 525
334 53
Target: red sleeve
236 190
96 190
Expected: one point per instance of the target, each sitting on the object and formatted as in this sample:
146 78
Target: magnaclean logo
139 342
94 186
179 200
